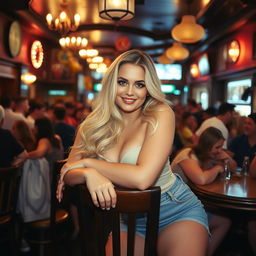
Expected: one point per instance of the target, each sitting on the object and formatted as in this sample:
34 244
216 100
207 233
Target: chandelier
188 31
88 53
63 23
116 9
73 43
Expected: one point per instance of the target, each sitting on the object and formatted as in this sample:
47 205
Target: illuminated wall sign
57 92
168 88
37 54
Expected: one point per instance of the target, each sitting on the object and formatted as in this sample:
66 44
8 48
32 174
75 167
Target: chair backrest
9 188
95 224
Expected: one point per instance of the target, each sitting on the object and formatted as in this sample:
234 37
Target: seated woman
49 145
126 142
201 164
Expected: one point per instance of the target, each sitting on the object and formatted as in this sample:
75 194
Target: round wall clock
14 38
37 54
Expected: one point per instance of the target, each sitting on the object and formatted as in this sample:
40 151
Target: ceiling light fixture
28 78
116 9
63 23
177 52
73 43
88 53
188 31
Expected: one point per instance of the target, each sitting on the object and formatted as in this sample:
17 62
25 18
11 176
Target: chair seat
5 219
61 215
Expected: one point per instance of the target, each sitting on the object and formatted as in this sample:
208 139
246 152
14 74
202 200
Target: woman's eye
121 82
140 85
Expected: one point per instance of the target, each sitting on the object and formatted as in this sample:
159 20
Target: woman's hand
66 168
101 189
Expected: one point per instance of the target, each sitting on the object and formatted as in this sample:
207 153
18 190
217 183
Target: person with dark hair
10 116
225 115
201 165
70 114
11 152
186 129
65 131
35 112
244 145
195 109
49 144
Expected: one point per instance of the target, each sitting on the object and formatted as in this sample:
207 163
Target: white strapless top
166 178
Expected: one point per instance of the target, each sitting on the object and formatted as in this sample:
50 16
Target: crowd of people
133 138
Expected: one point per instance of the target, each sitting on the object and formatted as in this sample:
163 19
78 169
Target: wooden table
238 193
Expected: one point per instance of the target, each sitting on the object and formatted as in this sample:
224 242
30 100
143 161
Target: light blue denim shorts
177 204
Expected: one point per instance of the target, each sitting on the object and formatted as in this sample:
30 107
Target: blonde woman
126 142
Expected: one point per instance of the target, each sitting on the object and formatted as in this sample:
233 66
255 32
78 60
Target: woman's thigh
186 238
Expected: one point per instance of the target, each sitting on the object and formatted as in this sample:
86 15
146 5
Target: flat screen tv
169 71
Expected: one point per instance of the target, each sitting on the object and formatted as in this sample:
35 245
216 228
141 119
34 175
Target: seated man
245 144
11 152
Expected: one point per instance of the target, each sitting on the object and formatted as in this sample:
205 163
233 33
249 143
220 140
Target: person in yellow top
186 130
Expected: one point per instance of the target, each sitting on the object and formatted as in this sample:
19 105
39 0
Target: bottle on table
245 166
226 169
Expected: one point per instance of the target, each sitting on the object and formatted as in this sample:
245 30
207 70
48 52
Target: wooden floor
234 244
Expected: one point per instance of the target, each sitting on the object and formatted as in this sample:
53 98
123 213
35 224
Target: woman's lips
128 100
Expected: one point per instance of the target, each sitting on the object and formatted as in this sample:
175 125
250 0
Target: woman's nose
130 89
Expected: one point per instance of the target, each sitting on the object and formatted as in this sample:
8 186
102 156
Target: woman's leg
219 226
186 238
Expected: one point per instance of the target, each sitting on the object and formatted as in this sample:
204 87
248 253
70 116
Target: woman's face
131 88
216 149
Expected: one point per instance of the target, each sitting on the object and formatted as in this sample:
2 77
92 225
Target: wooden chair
43 233
95 224
9 188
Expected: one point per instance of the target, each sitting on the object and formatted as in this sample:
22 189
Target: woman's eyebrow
140 81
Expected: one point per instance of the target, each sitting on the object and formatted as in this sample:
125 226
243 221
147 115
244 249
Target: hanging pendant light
116 9
177 52
188 31
163 59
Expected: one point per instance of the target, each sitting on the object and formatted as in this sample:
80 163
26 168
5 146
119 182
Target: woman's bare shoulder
163 110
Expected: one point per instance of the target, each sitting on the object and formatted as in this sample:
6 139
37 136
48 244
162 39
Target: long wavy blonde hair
102 128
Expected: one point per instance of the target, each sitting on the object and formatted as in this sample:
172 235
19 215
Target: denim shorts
177 204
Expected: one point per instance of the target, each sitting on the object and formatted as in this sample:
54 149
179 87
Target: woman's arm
41 150
23 156
196 174
153 155
226 156
101 189
252 168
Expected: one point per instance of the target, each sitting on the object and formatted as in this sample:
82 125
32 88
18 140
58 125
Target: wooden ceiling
148 30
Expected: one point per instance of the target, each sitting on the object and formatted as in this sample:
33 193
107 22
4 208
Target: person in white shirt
225 115
10 116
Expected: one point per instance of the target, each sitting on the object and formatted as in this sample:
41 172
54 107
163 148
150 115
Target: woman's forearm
126 175
75 176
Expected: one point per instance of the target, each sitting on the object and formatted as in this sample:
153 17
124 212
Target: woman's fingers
112 194
104 197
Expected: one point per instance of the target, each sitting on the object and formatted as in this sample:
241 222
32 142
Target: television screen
169 71
203 65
